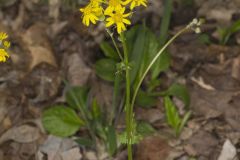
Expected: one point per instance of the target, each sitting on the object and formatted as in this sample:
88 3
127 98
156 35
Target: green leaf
85 141
164 60
109 51
61 121
131 35
184 121
96 111
137 52
173 118
181 92
106 69
111 140
226 33
77 97
145 100
142 46
162 64
145 128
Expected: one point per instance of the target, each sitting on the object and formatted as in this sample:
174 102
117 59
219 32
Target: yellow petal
126 15
119 29
109 23
108 10
126 21
133 4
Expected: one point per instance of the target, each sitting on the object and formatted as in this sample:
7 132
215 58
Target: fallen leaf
202 143
91 155
56 148
78 72
21 134
152 148
72 154
54 8
36 41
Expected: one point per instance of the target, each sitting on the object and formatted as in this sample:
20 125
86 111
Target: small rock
91 156
229 151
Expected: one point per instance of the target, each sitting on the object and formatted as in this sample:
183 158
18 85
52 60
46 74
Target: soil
50 44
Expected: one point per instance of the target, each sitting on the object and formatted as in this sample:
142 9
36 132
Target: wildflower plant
4 45
115 14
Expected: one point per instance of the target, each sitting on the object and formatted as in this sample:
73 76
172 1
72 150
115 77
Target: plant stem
127 102
151 64
115 44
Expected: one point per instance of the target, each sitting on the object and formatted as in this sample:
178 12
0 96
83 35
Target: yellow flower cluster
4 45
112 12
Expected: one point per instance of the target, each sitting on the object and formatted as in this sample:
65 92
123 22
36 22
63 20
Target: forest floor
49 43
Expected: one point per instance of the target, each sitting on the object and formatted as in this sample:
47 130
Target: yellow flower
3 36
119 18
136 3
6 44
112 5
3 55
91 12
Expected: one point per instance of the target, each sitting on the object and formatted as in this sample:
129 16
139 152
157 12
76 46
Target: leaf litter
41 57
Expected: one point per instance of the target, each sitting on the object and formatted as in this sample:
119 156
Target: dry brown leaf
78 72
152 148
56 148
54 8
72 154
38 45
21 134
202 143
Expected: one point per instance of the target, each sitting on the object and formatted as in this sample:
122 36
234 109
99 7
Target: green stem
127 102
115 44
151 64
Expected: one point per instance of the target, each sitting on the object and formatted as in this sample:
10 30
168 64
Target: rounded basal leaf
61 121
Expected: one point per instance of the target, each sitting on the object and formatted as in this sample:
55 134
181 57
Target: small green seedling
226 33
173 118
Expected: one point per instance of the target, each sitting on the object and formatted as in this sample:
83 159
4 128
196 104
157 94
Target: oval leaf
61 121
